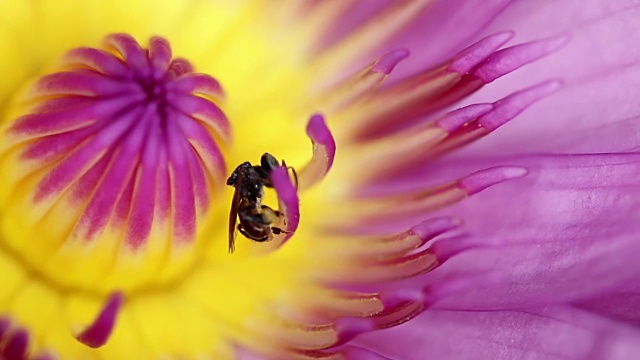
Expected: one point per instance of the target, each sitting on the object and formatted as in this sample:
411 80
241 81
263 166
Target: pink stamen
387 62
134 55
502 111
429 229
509 107
510 59
199 84
468 58
160 53
457 118
98 59
324 150
288 202
486 178
127 134
83 83
180 67
417 98
97 334
411 207
398 308
399 311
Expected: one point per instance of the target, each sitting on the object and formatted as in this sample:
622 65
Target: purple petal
459 20
623 305
356 352
560 332
565 232
97 334
600 68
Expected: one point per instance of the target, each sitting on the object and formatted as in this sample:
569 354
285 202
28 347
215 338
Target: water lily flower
453 179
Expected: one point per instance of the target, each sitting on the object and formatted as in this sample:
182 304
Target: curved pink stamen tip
324 151
510 59
466 59
456 119
431 228
288 201
387 62
97 334
486 178
319 134
509 107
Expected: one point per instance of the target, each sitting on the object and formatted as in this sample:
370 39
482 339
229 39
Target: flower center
109 166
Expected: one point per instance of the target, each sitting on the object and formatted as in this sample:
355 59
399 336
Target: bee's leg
293 172
269 215
273 215
278 231
243 232
251 237
295 175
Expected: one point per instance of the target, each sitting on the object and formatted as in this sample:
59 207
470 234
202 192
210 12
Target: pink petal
567 231
461 21
551 333
600 68
623 305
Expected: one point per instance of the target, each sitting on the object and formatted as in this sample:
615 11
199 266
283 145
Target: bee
254 219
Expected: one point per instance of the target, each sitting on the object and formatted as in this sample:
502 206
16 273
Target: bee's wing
233 217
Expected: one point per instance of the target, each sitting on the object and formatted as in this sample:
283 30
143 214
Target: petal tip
97 333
